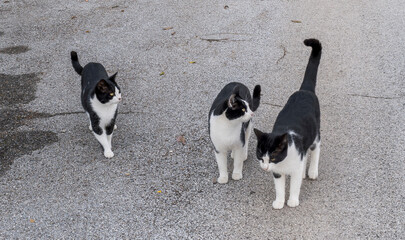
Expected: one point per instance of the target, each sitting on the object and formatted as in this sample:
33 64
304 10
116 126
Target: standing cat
284 151
230 126
100 97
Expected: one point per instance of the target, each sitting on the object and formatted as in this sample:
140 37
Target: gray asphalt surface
56 183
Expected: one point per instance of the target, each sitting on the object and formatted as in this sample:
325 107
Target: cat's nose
252 114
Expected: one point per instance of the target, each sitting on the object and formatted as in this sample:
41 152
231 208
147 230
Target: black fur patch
240 92
220 103
300 117
95 83
95 123
245 125
276 175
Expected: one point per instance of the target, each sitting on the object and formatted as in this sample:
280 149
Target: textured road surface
55 182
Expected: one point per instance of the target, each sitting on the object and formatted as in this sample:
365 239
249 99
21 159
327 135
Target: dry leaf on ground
181 139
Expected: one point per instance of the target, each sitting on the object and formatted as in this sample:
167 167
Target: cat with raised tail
230 126
100 97
295 134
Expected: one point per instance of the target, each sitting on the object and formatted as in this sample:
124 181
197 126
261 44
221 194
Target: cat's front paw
293 202
278 204
312 174
222 180
108 154
237 176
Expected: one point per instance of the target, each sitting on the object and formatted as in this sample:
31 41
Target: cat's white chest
105 112
290 164
225 133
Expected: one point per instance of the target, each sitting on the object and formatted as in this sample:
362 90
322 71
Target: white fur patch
225 133
106 111
226 136
289 164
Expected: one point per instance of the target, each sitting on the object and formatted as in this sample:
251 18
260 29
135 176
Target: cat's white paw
237 176
312 174
222 180
115 127
293 202
278 204
108 154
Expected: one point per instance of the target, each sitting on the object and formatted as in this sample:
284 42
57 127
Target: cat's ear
102 86
282 142
232 102
258 133
112 78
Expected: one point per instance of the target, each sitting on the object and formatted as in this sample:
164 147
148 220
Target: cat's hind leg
239 158
304 173
88 115
313 167
247 137
222 166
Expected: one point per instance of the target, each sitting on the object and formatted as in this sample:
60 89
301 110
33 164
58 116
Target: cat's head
271 148
238 108
107 91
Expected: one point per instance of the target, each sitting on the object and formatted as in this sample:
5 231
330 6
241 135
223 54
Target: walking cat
100 97
284 151
230 126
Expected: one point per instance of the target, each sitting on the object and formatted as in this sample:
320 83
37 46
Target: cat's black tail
309 82
75 62
256 97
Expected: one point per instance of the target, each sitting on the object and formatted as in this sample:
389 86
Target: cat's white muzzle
265 165
248 116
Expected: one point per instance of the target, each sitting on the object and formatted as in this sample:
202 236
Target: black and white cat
100 97
230 126
284 151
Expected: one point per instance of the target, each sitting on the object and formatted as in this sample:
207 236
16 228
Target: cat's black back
91 75
220 103
301 114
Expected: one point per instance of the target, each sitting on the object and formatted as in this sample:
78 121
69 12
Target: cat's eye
243 110
112 94
273 159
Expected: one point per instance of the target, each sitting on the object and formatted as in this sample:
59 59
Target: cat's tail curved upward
309 82
256 97
75 62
